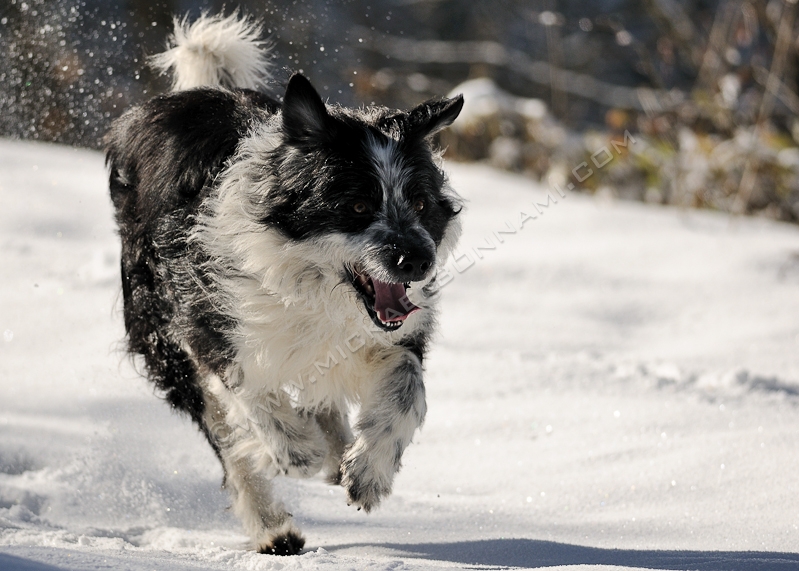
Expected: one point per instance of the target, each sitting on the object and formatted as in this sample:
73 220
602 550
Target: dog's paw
366 486
287 543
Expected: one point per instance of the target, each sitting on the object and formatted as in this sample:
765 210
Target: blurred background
700 97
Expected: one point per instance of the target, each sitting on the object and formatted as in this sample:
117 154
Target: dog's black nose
411 266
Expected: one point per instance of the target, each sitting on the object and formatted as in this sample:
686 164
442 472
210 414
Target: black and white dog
279 265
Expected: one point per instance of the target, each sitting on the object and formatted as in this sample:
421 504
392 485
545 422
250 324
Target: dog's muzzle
386 303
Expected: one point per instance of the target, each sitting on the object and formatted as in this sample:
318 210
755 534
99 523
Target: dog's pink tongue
391 301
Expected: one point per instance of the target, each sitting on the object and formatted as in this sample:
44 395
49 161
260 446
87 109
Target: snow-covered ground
615 386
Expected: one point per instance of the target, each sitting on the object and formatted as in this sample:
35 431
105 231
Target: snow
615 386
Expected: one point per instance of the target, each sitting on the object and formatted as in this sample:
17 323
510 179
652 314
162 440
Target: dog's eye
419 205
360 208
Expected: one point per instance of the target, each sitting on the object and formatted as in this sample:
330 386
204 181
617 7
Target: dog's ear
305 118
433 115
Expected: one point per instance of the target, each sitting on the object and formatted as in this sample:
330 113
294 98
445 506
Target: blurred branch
783 93
773 84
559 101
784 38
645 60
540 72
679 27
712 61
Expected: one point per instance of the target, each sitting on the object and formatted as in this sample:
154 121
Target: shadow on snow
535 554
12 563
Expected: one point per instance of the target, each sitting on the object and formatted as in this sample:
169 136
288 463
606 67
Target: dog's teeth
391 324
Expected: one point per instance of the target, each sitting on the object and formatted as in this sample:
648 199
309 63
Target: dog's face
364 185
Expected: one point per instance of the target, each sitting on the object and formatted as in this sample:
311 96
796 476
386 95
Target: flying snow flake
8 335
624 38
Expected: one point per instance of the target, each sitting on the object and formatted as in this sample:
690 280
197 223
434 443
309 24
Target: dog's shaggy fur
279 265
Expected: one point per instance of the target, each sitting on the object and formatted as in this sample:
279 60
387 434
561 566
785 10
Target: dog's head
365 187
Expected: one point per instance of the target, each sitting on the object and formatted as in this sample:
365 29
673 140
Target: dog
281 262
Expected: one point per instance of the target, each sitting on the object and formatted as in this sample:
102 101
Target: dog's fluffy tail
215 51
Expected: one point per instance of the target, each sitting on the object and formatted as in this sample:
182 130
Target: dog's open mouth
386 303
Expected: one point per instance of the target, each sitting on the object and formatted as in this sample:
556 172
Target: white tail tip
215 51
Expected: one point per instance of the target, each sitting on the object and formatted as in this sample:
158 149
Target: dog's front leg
263 426
335 425
295 444
390 413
